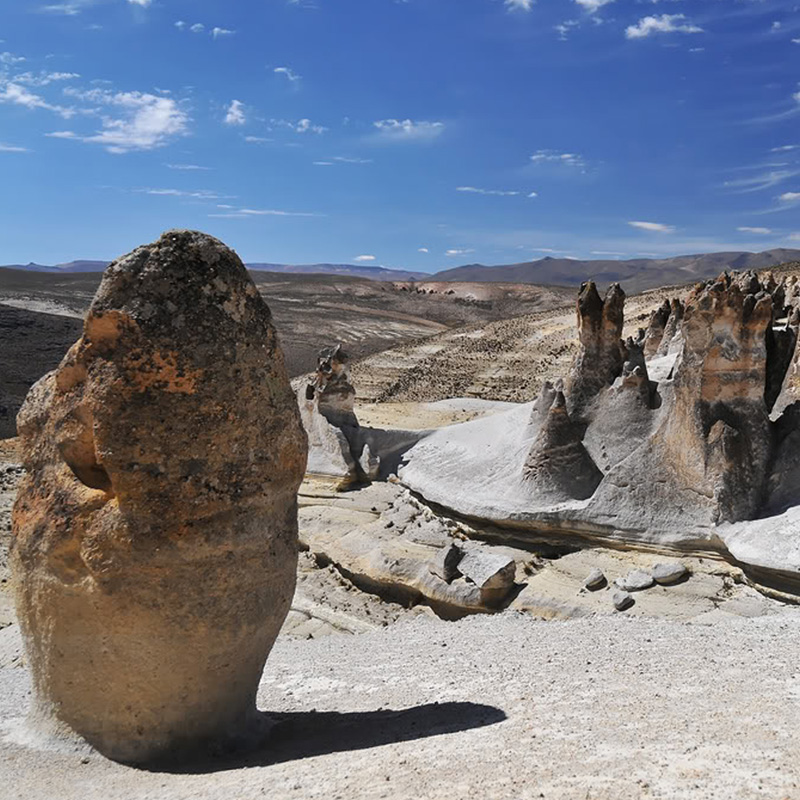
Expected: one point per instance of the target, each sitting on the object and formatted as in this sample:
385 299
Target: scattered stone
622 600
668 573
488 570
154 554
595 580
635 581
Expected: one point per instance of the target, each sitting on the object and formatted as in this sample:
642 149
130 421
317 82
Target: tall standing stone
155 533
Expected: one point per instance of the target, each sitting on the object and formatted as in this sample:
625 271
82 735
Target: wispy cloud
789 197
257 139
304 125
554 157
364 258
423 250
593 5
65 9
11 148
288 72
235 113
196 194
143 3
763 180
407 130
784 148
245 213
347 160
187 167
216 33
757 230
44 78
14 94
9 59
666 23
519 5
653 227
143 121
459 251
493 192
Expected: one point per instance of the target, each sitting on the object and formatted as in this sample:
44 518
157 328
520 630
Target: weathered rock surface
600 356
558 467
622 600
155 532
595 580
666 461
655 329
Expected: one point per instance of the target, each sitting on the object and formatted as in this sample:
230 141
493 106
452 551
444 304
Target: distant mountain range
635 275
353 270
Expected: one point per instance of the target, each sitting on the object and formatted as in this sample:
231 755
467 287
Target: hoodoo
155 532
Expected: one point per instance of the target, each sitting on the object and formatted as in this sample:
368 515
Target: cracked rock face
717 435
155 532
600 357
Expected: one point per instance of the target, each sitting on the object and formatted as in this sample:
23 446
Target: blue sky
421 134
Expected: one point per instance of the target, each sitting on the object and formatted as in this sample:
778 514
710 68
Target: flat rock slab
668 573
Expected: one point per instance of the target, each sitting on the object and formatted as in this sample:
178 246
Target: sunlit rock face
600 356
155 533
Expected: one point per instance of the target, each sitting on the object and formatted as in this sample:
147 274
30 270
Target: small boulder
668 573
595 580
635 581
622 600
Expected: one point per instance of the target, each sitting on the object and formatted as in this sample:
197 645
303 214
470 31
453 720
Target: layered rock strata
155 533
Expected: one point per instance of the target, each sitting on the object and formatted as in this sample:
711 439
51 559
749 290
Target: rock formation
655 329
337 446
155 533
558 467
677 453
600 357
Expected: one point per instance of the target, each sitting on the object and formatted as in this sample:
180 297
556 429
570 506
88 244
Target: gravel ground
494 707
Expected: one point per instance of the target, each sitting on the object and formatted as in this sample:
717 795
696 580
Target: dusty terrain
496 707
40 316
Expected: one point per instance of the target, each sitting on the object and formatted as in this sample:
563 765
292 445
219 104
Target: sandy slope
495 707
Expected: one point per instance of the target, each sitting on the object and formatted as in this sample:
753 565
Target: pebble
595 580
622 600
635 581
668 573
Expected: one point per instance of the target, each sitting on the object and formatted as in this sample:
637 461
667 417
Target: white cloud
666 23
760 231
44 78
8 59
245 213
795 41
235 113
146 121
455 251
198 27
784 148
657 227
199 194
143 3
563 28
606 253
493 192
257 139
187 167
364 258
765 180
346 160
554 157
794 237
217 32
288 72
322 163
776 26
407 130
67 9
10 148
423 250
520 5
593 6
305 125
789 197
18 95
180 24
532 194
